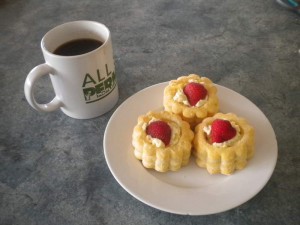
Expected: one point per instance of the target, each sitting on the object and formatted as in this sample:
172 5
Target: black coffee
77 47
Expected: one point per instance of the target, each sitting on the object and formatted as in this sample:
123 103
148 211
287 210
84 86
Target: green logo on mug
98 87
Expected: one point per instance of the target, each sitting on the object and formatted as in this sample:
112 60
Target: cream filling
155 141
181 97
228 143
175 134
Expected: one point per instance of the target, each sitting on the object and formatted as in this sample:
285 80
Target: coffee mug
79 59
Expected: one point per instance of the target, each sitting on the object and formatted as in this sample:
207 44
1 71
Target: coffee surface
77 47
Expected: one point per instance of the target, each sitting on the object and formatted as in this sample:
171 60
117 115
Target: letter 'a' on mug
79 59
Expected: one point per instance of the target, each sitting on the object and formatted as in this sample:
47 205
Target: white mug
85 85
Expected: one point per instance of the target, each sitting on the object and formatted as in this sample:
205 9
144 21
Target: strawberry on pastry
162 141
160 130
192 97
222 130
195 92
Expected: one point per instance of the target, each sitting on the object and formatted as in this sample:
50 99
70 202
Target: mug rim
47 51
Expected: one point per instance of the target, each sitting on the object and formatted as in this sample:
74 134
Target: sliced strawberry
194 92
161 130
221 130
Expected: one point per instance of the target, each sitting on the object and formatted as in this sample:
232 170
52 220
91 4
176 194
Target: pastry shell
164 158
224 160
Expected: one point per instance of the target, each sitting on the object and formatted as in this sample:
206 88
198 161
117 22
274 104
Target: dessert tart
223 143
162 141
192 97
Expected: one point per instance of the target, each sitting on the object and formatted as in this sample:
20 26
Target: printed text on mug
96 86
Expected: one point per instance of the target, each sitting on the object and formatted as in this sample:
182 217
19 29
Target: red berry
161 130
221 130
194 92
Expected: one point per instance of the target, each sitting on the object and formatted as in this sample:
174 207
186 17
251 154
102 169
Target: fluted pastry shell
164 158
191 114
224 160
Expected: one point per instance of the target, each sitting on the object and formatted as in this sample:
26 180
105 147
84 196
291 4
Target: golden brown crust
163 158
191 114
224 160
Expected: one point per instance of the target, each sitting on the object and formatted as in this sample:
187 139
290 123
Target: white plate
191 190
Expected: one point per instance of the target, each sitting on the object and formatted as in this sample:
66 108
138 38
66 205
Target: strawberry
194 92
221 130
161 130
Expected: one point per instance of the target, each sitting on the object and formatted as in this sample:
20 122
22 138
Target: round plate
191 190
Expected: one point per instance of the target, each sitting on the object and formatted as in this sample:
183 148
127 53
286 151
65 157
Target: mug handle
32 77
